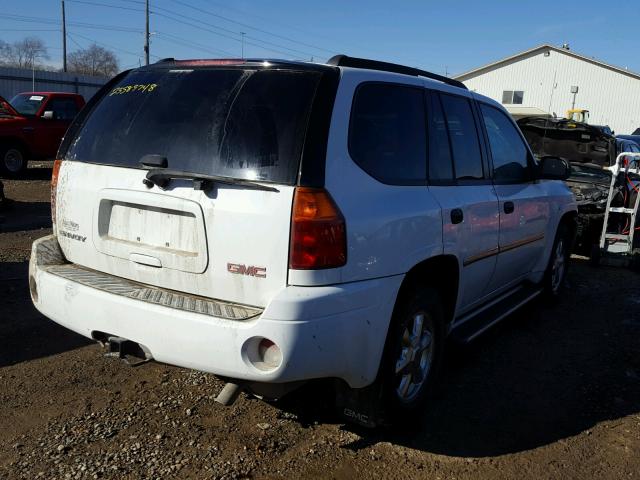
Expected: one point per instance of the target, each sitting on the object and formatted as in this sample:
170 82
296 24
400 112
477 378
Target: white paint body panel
328 323
237 225
335 331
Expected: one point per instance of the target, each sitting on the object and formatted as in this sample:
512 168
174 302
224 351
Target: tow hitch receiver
127 350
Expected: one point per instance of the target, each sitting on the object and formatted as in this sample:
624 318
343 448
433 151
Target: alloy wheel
415 358
558 267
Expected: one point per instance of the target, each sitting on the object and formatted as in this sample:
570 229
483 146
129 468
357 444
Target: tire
556 273
413 353
13 161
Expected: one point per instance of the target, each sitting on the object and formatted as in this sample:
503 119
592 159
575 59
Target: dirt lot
553 392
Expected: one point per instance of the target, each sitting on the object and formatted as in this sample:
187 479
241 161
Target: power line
187 43
290 26
97 4
31 30
47 21
106 45
176 14
252 27
233 32
218 33
73 40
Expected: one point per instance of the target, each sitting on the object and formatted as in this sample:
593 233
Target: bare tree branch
94 60
25 53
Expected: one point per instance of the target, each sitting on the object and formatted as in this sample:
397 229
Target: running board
474 324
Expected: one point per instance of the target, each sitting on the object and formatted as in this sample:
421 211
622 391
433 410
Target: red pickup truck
32 126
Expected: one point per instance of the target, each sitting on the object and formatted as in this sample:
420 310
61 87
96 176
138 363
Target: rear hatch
182 176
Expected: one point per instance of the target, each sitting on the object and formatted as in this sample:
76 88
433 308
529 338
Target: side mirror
48 115
554 168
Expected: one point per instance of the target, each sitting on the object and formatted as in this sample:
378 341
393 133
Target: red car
32 126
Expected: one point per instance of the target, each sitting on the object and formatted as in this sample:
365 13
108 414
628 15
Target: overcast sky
443 36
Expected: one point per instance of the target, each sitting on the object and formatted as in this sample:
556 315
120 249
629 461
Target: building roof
545 47
520 111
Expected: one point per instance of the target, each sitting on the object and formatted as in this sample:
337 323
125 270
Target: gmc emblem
240 269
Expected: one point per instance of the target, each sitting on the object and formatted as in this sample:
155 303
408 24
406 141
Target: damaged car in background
590 149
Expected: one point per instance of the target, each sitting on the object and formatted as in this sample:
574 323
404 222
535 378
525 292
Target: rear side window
508 150
387 133
440 165
465 145
63 108
240 123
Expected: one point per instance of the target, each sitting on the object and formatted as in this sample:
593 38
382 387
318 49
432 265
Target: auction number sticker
146 87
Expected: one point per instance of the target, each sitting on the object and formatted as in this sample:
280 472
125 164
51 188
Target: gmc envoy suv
275 222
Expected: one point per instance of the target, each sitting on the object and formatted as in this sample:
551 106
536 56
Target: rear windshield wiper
162 176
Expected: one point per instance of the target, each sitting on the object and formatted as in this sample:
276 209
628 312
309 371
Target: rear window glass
246 124
63 108
387 135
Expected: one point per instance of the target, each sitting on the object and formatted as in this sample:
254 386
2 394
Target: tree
94 60
23 53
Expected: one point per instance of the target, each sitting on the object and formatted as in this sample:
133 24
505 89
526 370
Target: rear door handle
27 129
145 260
508 207
457 216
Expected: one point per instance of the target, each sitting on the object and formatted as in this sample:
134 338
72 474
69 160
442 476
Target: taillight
54 187
318 232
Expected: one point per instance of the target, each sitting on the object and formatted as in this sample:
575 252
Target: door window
463 135
63 108
508 150
440 165
387 134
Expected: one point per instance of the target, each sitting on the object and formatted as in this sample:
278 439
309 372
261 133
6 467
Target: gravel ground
552 392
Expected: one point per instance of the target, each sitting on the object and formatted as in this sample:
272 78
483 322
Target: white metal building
542 80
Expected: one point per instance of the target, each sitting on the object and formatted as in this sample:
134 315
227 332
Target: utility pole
243 34
146 34
64 39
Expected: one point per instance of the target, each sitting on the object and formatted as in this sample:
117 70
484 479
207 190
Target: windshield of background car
239 123
27 104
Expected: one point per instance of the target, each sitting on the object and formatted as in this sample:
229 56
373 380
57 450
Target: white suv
274 222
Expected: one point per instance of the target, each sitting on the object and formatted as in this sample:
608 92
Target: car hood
6 110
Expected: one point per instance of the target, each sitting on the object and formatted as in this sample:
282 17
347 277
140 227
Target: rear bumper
333 331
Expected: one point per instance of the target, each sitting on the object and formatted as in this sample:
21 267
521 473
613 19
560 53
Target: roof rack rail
354 62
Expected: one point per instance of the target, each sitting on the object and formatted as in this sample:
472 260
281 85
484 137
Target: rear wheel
413 352
13 161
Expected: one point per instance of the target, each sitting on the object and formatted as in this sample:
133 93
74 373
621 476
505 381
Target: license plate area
169 229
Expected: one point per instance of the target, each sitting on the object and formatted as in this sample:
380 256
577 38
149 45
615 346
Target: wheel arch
569 220
441 273
6 141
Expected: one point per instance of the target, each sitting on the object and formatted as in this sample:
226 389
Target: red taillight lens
318 232
54 187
